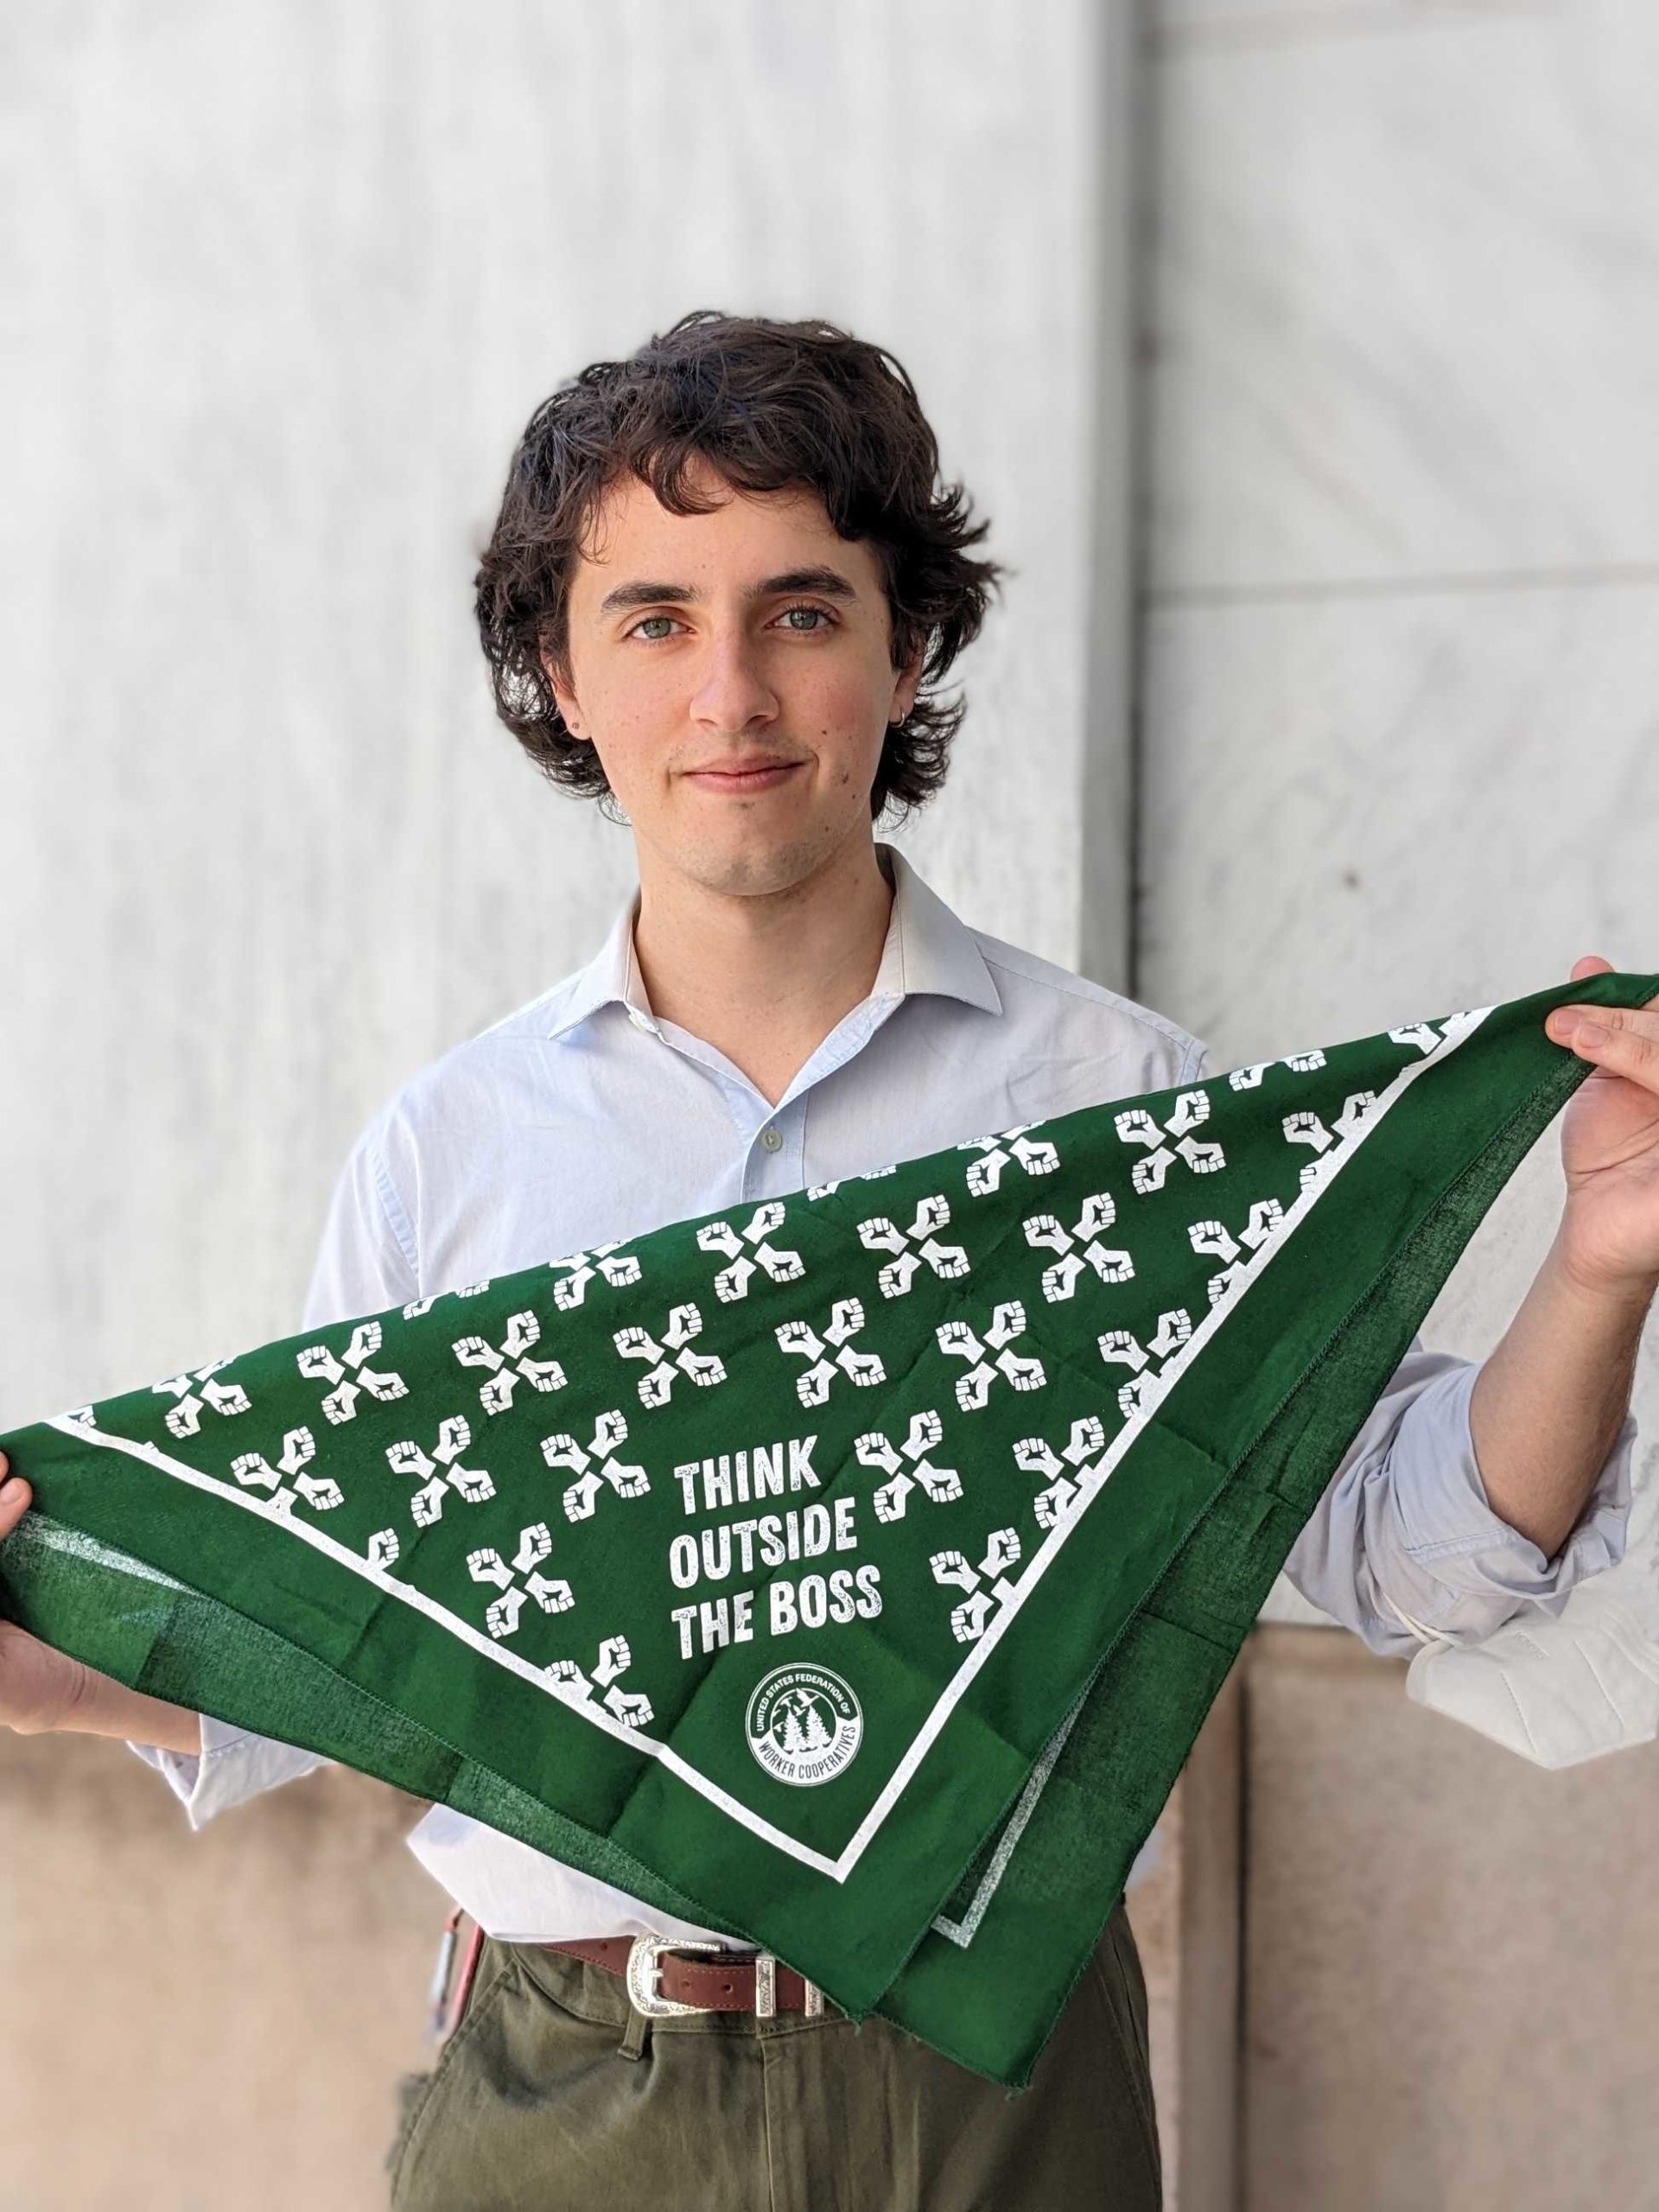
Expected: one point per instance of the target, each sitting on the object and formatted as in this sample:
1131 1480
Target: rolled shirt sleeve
1404 1548
365 1262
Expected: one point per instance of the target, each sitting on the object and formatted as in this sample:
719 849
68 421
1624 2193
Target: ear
904 696
565 699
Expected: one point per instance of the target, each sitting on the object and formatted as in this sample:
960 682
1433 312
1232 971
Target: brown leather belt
660 1982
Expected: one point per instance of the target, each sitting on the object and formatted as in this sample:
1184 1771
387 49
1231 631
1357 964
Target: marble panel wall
283 285
1399 694
1396 755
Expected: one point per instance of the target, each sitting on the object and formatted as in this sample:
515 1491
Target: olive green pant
553 2093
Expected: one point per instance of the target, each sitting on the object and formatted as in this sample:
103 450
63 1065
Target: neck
764 976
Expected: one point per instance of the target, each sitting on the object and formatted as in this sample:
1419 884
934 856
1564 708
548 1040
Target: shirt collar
927 948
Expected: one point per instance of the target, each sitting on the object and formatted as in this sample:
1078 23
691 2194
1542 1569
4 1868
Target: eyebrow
829 582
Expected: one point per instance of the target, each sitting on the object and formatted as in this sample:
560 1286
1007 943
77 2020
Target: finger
1641 1022
1592 963
1623 1039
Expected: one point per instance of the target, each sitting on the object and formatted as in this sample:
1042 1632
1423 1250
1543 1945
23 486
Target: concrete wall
1450 1954
203 2023
1398 756
286 282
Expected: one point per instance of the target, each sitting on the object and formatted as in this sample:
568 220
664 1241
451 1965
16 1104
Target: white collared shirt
583 1117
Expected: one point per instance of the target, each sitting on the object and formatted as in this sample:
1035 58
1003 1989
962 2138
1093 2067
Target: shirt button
771 1139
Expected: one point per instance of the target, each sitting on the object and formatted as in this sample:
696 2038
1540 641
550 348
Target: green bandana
852 1571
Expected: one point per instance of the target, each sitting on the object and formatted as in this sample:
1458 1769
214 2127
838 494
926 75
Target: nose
732 691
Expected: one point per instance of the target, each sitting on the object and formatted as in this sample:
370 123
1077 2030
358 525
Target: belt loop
636 2039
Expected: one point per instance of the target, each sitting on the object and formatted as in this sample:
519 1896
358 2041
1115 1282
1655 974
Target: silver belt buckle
645 1971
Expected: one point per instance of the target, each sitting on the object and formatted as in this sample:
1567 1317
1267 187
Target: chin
757 858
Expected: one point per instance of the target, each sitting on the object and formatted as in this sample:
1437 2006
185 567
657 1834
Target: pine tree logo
804 1725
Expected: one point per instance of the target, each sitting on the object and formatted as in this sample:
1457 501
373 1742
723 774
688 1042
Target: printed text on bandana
735 1546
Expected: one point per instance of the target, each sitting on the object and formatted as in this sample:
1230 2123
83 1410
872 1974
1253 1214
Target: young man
722 577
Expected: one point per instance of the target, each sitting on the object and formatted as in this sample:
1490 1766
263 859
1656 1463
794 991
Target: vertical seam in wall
1108 771
1143 172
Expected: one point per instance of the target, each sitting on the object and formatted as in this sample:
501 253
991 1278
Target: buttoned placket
774 1162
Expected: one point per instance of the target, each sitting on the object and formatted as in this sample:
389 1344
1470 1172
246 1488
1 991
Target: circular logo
804 1725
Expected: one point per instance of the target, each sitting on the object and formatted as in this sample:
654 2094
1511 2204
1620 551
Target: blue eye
825 621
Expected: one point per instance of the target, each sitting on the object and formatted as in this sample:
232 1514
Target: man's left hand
1609 1235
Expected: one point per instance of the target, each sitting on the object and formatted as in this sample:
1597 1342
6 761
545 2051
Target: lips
746 776
748 766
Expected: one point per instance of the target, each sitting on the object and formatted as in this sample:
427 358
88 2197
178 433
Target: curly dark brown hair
773 406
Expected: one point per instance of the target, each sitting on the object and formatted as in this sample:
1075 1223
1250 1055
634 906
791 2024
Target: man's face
693 656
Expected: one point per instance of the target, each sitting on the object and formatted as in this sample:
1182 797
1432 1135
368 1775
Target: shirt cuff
235 1764
1465 1569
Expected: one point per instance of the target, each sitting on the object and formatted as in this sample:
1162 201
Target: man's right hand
39 1687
